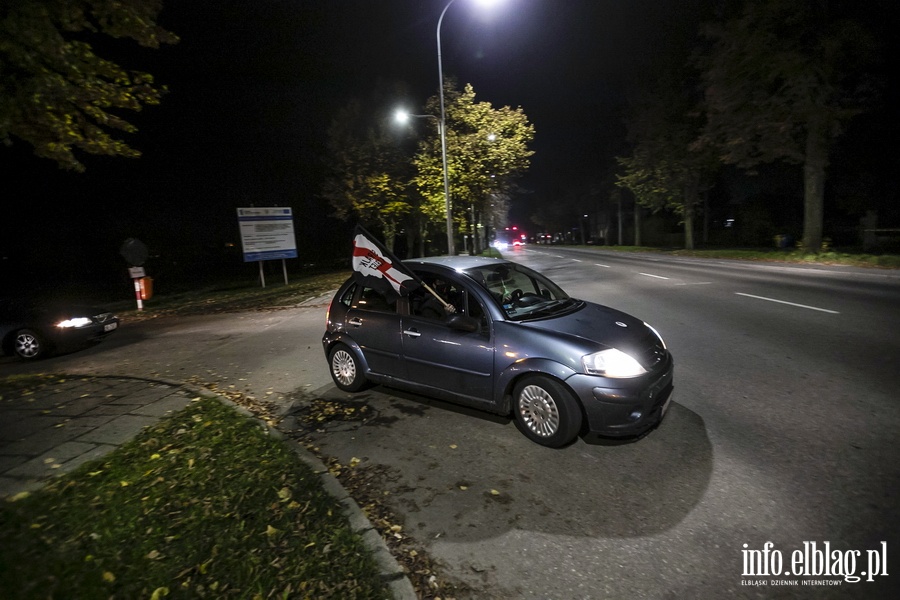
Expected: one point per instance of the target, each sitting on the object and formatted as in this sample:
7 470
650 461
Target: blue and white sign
267 233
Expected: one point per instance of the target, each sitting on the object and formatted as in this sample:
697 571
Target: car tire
30 345
345 369
545 411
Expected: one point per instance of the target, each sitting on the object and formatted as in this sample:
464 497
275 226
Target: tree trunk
706 217
691 195
638 227
421 234
476 239
411 242
814 185
390 232
688 225
621 222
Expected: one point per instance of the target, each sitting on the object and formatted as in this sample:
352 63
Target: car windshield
522 293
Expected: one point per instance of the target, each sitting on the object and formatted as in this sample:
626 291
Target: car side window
476 311
347 297
423 303
371 299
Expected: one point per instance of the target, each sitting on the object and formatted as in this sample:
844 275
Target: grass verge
205 504
233 296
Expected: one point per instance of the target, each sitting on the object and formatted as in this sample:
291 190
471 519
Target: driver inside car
424 304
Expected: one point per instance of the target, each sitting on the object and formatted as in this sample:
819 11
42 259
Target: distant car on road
32 329
514 343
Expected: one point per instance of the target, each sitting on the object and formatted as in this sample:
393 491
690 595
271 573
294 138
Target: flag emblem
377 268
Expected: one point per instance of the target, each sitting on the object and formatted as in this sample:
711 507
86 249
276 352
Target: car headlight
74 322
612 363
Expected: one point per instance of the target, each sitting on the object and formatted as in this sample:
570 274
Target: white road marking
654 276
599 265
825 310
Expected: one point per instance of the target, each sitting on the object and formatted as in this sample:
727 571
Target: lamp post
442 126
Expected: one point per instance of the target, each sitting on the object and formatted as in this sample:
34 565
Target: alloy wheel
27 345
539 411
344 367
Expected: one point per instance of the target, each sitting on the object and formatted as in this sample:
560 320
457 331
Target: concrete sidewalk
74 420
59 425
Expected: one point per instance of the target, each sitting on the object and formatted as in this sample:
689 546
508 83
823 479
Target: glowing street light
402 117
442 126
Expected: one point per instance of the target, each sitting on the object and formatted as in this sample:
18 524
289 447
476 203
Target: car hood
599 324
46 311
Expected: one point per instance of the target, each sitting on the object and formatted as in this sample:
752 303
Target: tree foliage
56 93
487 149
369 172
665 170
780 80
376 178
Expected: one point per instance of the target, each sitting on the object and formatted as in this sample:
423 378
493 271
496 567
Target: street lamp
402 116
442 126
443 129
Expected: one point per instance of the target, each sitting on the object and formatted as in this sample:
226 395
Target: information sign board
267 233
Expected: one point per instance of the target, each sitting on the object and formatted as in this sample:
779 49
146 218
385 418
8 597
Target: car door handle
411 333
356 322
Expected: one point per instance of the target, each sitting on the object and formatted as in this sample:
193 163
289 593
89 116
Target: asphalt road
784 430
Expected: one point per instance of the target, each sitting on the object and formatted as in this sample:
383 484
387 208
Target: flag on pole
377 268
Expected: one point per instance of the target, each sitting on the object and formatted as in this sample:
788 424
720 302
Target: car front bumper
75 337
626 411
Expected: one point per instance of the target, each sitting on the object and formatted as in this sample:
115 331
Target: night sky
254 86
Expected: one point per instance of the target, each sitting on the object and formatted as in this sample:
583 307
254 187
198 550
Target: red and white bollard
137 294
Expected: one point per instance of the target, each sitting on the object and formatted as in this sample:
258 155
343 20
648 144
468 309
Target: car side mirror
463 323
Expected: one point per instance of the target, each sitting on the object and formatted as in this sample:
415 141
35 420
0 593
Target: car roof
457 263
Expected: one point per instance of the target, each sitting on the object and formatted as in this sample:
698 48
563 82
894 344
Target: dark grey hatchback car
33 329
513 343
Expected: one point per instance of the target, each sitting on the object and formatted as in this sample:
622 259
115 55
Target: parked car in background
34 329
513 343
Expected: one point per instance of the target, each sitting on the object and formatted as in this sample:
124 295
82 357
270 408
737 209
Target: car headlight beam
74 322
612 363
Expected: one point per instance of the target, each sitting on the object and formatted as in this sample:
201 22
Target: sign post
267 234
136 253
136 274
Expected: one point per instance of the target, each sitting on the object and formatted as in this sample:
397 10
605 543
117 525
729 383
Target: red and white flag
377 268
